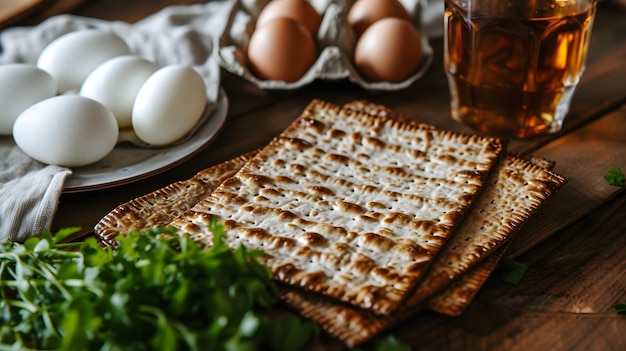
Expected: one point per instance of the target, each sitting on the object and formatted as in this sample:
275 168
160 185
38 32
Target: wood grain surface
575 247
13 10
26 12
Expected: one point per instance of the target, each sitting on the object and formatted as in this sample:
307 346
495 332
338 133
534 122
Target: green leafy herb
512 271
615 177
156 290
621 308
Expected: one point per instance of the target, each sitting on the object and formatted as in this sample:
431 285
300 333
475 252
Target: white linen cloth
29 194
30 190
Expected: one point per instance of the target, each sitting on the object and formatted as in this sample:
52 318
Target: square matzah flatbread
349 205
516 190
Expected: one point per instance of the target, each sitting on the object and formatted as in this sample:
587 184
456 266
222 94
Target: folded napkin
29 190
29 194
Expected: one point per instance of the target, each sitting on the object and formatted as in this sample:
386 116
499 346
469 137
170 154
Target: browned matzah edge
436 280
455 298
142 213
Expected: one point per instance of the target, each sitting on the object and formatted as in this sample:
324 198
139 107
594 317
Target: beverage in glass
513 65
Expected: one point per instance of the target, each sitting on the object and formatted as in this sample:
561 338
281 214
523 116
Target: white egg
116 83
169 105
73 56
66 130
21 85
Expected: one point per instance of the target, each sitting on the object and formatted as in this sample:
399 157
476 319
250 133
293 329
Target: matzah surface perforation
404 193
516 190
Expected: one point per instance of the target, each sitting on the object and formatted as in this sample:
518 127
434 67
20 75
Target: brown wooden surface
575 247
23 12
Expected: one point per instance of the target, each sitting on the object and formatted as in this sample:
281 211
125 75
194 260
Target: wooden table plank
583 157
33 11
578 240
13 10
564 301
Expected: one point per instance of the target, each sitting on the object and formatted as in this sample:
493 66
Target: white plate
128 163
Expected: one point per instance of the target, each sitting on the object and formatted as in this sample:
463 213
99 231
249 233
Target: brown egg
281 49
365 12
389 50
299 10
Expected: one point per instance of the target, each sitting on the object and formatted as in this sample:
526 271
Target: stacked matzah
347 205
364 216
516 191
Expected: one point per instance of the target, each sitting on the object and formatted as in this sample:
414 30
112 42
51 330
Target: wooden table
575 247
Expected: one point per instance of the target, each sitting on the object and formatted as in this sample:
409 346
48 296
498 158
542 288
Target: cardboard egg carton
335 45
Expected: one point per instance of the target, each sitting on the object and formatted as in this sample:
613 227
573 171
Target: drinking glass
513 65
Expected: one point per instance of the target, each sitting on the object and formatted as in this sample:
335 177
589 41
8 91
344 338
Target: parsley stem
48 322
68 245
23 304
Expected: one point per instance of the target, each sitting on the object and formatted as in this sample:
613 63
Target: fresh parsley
615 177
512 271
156 290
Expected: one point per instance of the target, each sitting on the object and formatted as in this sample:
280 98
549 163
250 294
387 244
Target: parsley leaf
512 271
615 177
155 290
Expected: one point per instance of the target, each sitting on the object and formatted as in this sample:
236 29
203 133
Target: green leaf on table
512 271
615 177
620 308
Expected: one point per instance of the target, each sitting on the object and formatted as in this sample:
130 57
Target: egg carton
335 45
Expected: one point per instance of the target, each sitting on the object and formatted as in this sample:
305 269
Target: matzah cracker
158 208
517 190
377 110
456 297
453 300
350 205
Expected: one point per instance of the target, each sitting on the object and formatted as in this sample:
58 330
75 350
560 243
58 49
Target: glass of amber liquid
513 65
